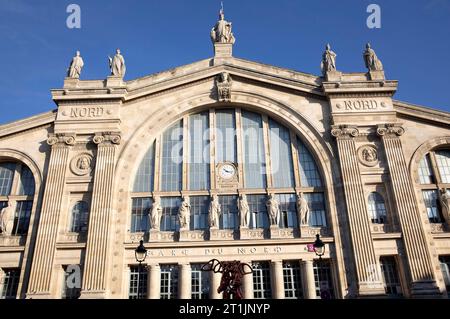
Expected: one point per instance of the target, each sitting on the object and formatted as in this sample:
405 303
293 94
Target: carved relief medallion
368 155
81 164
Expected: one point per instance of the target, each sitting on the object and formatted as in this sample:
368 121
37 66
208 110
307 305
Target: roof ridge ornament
223 39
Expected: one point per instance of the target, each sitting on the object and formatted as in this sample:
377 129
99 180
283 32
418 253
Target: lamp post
140 253
319 247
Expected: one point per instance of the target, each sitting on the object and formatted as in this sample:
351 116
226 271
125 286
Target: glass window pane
262 288
169 282
292 280
225 136
138 283
200 282
140 211
10 283
316 204
6 178
258 211
443 163
377 208
390 276
323 279
288 210
199 151
172 158
309 174
22 217
199 212
143 182
230 213
80 217
26 183
169 220
281 155
253 150
425 173
430 199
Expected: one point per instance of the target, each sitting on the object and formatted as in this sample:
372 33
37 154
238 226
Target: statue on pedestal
221 32
156 213
117 65
214 212
244 211
75 67
302 210
6 219
273 209
184 213
445 204
328 60
371 59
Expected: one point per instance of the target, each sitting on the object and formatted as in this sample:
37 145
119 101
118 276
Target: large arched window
377 208
80 217
17 187
222 151
434 179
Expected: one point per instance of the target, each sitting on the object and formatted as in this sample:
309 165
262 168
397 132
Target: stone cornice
421 112
28 123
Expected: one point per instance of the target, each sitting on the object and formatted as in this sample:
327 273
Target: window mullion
186 154
212 148
16 179
295 160
239 150
435 169
157 164
265 123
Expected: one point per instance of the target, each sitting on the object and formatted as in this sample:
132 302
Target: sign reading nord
360 105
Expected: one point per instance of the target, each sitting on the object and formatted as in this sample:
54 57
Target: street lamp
140 253
319 247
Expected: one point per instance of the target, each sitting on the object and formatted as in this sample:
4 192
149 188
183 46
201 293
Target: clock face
227 171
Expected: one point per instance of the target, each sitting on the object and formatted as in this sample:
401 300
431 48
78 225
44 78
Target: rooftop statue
75 67
371 59
222 33
117 65
328 60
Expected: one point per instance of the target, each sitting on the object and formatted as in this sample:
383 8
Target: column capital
347 131
61 138
390 129
107 137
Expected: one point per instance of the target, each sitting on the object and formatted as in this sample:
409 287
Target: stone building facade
338 156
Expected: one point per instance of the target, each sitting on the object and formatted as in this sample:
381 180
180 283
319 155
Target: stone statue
184 213
244 211
214 212
302 210
445 203
328 60
369 154
222 32
83 163
224 82
75 67
117 65
371 59
273 209
156 213
6 219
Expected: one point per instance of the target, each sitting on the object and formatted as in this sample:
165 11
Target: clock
227 171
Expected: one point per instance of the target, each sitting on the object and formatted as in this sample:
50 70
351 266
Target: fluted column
415 243
185 281
367 266
248 286
214 280
277 279
96 265
42 266
309 284
154 282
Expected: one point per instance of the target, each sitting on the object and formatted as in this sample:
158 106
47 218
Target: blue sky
36 46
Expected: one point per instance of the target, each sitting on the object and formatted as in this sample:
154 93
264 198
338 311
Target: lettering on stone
86 112
359 105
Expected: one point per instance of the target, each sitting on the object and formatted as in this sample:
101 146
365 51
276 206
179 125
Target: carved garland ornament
368 155
81 164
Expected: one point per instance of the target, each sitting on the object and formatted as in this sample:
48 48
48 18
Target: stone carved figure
224 82
445 204
76 66
214 212
184 213
221 32
117 65
6 219
371 59
244 211
328 60
83 163
302 210
369 154
156 213
273 208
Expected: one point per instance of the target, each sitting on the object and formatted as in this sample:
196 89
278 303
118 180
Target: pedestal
71 83
155 235
222 51
376 75
114 81
333 76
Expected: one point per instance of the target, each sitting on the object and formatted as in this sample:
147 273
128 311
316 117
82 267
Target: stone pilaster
367 266
277 279
154 282
247 288
415 242
214 280
309 284
42 267
96 265
185 281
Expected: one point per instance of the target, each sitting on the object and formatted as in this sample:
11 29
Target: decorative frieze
221 234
